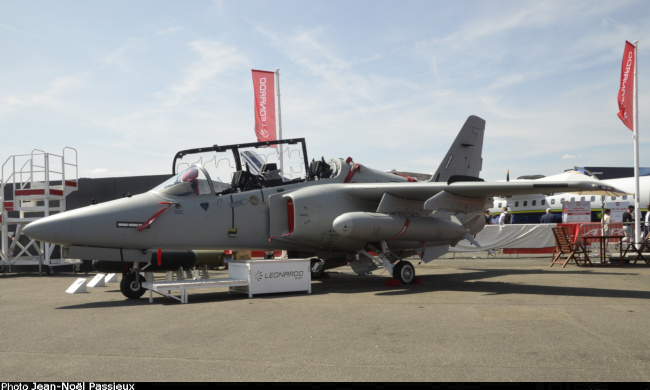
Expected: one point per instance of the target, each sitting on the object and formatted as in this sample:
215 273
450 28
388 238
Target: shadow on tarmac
470 280
473 281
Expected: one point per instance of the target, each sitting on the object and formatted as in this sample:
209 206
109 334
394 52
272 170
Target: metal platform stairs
34 186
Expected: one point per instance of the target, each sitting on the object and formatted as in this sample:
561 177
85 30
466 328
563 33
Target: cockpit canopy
241 167
221 170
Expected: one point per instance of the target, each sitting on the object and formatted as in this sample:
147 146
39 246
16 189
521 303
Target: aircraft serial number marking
129 224
239 203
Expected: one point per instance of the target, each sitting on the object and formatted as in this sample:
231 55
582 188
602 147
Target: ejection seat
242 181
319 170
269 175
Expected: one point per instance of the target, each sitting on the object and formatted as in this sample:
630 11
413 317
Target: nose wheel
317 268
131 285
404 272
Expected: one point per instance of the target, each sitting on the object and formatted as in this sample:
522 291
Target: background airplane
530 208
337 212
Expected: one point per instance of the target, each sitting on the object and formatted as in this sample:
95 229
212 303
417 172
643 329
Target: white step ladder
33 186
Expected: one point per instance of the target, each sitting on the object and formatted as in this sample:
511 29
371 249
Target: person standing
628 220
488 218
646 225
606 221
548 217
504 218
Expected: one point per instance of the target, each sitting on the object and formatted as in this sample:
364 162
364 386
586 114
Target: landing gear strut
401 270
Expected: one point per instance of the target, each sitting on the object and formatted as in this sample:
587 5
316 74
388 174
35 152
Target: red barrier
578 231
585 230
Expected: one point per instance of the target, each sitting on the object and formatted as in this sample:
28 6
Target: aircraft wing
425 190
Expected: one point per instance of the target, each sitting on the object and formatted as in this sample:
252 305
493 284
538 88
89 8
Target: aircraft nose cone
51 229
99 225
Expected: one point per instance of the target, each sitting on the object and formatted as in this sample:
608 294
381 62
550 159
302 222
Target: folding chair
644 246
564 245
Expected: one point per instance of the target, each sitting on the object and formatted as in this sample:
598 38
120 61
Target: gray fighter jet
337 212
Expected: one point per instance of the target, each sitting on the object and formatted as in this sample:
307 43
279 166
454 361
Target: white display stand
248 276
271 276
79 286
97 281
165 287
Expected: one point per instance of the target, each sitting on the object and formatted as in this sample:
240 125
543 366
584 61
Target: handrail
25 170
75 165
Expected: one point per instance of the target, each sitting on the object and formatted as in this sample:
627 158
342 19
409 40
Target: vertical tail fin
464 155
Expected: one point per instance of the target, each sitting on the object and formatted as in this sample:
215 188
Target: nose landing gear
131 285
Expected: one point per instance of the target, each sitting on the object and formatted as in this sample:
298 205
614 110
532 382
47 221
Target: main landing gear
401 270
404 272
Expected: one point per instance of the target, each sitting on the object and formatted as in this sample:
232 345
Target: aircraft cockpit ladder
33 186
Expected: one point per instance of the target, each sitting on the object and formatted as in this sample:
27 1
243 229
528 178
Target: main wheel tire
404 272
131 285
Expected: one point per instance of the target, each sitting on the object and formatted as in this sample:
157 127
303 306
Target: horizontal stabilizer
461 178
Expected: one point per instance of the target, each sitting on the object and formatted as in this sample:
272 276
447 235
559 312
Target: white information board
618 208
273 276
576 211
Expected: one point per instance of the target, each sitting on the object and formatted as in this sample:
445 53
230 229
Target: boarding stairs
34 186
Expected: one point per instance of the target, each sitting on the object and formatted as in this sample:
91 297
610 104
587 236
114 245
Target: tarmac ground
504 319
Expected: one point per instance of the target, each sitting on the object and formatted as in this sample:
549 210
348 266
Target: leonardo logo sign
259 275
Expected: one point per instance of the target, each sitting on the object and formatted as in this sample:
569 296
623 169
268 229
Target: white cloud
170 30
18 31
215 58
54 96
97 172
120 57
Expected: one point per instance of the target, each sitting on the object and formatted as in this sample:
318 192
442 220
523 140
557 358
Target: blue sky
389 83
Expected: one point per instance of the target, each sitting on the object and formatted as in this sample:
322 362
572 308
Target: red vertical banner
625 93
264 89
